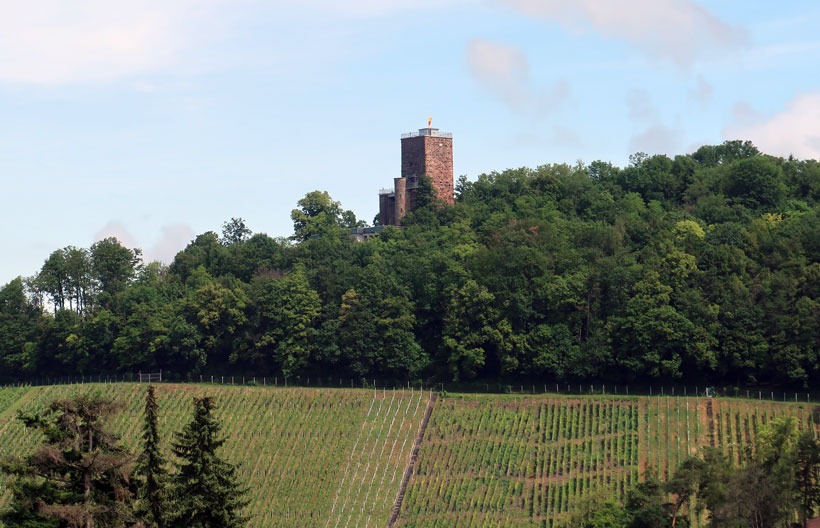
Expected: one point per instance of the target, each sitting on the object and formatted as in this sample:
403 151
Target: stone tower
428 152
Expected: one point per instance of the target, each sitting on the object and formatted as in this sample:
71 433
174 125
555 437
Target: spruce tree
79 477
151 493
206 492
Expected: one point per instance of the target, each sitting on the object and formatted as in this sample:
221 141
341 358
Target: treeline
705 267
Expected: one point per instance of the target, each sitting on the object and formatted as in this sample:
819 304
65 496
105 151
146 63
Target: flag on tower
429 120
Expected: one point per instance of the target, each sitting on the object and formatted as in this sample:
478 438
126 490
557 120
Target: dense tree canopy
698 267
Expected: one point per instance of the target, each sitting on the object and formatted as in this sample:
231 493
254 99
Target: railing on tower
432 132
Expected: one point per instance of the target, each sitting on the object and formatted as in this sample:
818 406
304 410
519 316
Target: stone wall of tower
430 155
400 186
385 210
439 166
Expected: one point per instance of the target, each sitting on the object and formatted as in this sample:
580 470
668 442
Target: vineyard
526 461
336 458
320 458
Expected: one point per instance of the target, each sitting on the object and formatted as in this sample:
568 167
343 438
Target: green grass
336 457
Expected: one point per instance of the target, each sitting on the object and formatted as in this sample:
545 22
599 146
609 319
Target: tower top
432 132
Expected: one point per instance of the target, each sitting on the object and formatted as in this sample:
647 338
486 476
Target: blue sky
156 120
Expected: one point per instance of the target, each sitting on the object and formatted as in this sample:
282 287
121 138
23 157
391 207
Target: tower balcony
432 132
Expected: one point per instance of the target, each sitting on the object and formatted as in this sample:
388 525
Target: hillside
336 457
311 457
701 268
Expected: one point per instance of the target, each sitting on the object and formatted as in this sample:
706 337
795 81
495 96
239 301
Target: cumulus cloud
504 70
174 238
679 31
52 41
368 8
795 130
115 228
657 139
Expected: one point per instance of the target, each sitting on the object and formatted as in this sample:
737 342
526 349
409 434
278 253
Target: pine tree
78 477
151 493
206 492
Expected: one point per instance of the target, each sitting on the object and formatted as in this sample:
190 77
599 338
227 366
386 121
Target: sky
157 120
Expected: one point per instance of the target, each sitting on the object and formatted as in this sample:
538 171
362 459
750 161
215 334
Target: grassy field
336 458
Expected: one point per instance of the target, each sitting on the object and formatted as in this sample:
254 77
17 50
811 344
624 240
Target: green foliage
319 215
701 268
113 265
152 505
235 232
206 492
80 476
286 311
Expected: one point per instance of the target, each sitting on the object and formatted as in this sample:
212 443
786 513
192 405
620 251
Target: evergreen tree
79 476
205 492
151 492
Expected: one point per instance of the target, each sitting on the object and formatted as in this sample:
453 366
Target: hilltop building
427 152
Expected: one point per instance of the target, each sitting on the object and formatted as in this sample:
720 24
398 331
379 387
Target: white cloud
174 239
53 41
657 139
115 228
680 31
504 70
367 8
795 130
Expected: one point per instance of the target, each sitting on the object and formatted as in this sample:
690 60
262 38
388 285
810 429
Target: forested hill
703 267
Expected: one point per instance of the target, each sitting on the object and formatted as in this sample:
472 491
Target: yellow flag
429 120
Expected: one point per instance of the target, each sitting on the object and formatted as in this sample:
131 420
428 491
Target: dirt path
407 474
642 439
709 416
